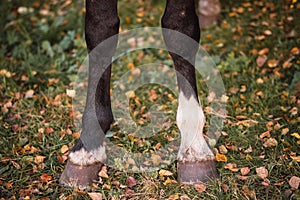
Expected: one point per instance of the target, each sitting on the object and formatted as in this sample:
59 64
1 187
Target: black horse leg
87 156
196 161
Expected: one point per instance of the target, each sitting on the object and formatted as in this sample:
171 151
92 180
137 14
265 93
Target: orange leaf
221 158
265 134
272 63
295 51
296 158
263 51
64 149
45 178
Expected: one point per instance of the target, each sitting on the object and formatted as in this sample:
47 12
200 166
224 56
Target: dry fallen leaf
29 94
200 188
263 51
95 195
103 174
170 181
130 181
271 142
223 149
225 188
129 191
295 51
64 149
232 167
221 158
296 158
296 135
262 172
39 159
164 172
294 182
45 178
285 131
71 93
173 197
265 134
245 170
243 178
261 60
272 63
183 197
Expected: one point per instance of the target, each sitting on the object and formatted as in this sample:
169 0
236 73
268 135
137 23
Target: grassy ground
256 47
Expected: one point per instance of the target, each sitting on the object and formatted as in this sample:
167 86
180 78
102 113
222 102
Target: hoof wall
81 177
197 172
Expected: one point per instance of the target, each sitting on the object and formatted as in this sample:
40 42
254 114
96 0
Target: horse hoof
80 177
197 172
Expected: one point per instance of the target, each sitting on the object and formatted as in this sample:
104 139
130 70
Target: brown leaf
49 130
294 182
262 172
130 181
173 197
232 167
266 182
95 195
129 191
156 159
200 188
39 159
16 165
271 142
243 178
245 170
225 187
223 149
45 178
285 131
261 60
164 172
29 94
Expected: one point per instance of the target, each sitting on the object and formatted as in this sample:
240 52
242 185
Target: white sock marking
83 157
190 121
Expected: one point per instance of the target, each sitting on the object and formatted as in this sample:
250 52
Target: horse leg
196 162
88 155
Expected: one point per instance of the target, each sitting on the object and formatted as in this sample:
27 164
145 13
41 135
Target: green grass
41 51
